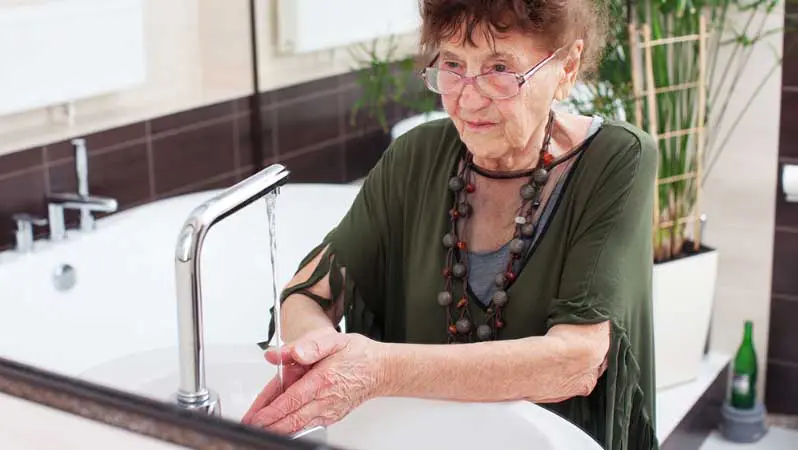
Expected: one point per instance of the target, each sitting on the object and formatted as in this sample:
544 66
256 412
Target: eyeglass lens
493 84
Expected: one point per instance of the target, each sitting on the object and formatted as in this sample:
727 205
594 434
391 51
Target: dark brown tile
122 174
23 193
788 129
191 117
783 332
59 152
192 156
325 165
363 152
785 247
97 142
21 160
307 89
789 74
218 182
781 395
246 149
306 123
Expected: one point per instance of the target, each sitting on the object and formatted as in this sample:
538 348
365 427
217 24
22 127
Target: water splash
271 206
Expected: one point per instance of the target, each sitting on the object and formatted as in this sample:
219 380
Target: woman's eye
499 68
451 65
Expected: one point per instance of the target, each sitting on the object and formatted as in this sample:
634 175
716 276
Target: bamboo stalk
670 40
679 133
681 221
636 82
676 178
700 137
652 120
674 88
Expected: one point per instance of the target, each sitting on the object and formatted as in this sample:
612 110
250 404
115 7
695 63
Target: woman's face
495 128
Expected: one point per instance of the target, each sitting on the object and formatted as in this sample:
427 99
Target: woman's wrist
391 368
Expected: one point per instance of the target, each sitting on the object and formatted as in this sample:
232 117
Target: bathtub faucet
58 202
80 200
192 393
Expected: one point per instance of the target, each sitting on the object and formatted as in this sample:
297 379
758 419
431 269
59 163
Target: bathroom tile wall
782 361
305 126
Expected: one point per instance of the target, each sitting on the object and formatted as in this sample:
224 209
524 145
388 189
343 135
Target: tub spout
192 392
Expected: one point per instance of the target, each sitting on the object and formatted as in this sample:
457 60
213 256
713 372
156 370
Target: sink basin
237 373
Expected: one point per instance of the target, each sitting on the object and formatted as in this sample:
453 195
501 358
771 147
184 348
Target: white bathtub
117 325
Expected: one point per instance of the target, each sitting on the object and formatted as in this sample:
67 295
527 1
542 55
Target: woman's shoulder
618 139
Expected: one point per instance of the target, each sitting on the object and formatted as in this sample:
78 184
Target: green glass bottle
743 392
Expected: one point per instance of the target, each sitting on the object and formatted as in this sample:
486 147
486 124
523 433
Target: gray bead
500 280
448 240
445 299
528 192
540 176
459 270
516 246
456 184
464 209
527 230
463 325
499 298
484 332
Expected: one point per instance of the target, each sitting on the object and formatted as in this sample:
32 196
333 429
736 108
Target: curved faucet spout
192 392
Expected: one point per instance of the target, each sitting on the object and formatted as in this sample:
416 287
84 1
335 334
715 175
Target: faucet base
208 404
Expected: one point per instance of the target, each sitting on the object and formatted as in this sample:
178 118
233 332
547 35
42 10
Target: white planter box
684 290
405 125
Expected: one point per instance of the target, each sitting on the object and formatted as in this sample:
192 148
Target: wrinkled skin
327 375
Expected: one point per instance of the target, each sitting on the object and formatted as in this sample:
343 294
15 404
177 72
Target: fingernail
299 352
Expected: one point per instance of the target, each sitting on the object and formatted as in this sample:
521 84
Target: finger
306 417
274 356
316 347
304 391
272 390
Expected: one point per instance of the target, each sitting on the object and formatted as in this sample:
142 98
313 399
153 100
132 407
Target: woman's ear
570 71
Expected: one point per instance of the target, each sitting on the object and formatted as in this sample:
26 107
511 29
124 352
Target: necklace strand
459 322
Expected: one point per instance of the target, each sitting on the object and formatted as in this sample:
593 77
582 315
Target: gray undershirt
484 266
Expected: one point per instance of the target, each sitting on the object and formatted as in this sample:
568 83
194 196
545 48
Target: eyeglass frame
521 78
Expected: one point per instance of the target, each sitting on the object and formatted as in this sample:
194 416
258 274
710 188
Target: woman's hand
326 375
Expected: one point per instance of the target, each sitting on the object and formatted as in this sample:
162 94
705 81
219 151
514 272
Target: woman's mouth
479 125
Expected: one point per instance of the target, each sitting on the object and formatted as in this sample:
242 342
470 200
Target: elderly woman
520 233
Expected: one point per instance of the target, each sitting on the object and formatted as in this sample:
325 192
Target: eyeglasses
494 85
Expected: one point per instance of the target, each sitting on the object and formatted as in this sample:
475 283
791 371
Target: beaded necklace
459 323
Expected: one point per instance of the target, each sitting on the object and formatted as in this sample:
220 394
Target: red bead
548 158
454 213
510 276
461 245
447 273
462 302
470 188
499 324
452 329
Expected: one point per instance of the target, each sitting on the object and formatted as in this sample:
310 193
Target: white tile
775 439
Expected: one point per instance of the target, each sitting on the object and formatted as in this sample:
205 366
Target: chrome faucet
57 203
192 393
81 201
24 234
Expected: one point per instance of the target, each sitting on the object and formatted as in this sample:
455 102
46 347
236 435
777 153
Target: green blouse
592 263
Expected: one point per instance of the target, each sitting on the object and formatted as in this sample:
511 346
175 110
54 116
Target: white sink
237 373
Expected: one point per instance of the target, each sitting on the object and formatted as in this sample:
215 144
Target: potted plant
388 79
685 268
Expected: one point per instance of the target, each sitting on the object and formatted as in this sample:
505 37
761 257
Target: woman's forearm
301 315
540 369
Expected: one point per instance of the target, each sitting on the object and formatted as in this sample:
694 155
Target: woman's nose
470 97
